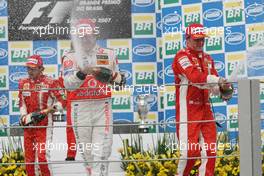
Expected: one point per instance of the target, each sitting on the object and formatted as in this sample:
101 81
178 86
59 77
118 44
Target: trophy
142 109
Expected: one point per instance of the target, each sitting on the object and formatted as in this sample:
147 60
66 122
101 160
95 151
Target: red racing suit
34 96
91 105
70 137
192 104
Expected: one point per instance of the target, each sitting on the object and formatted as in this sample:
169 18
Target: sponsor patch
67 64
26 94
102 59
184 62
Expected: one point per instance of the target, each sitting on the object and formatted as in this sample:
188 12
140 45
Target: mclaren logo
144 50
3 53
16 76
143 3
46 52
172 19
212 14
219 66
235 38
255 10
169 71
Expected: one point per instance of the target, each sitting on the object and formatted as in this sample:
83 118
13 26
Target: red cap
195 31
85 25
34 61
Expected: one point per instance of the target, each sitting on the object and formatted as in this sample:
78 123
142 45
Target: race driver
195 78
91 98
37 101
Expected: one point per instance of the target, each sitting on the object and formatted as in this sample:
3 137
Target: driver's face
195 44
33 73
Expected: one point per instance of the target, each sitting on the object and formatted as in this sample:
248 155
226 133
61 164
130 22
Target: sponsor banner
220 114
219 63
127 70
47 50
144 73
191 1
172 43
3 53
144 50
161 93
234 12
215 43
14 120
13 103
51 70
168 72
255 34
144 25
3 8
122 101
64 46
4 82
170 119
233 138
232 114
236 61
102 43
4 123
235 38
122 48
158 25
159 49
152 100
19 52
123 117
3 29
192 14
4 102
213 14
255 62
172 20
169 95
169 3
160 73
143 6
254 11
16 73
262 92
152 117
47 20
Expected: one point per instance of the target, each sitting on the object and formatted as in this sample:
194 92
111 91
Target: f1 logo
57 14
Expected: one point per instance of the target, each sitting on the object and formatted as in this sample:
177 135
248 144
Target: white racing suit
91 105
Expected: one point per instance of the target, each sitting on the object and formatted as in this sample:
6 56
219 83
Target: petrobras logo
172 19
160 74
46 52
143 3
169 71
256 64
219 66
235 38
15 77
127 73
170 122
144 50
220 118
3 4
3 101
212 14
255 10
3 53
